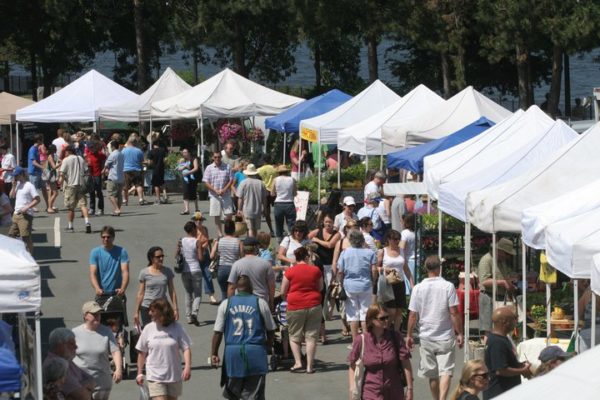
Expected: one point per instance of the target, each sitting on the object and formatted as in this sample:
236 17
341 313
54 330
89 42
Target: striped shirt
217 177
229 250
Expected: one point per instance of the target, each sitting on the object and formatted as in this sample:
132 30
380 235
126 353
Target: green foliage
172 159
311 185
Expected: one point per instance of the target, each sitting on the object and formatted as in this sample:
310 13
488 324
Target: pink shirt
382 374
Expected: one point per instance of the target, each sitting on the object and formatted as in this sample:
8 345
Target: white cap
349 201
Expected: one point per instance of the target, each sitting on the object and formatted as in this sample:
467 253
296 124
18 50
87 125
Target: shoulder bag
400 368
359 372
88 182
179 259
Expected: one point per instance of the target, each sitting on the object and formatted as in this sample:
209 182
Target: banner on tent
310 135
301 203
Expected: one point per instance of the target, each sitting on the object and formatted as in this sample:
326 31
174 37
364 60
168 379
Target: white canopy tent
504 159
595 278
138 109
326 127
79 101
366 137
225 94
457 112
535 219
436 166
577 378
20 291
499 208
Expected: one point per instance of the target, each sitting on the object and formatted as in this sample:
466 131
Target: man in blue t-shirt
109 266
133 166
246 322
35 167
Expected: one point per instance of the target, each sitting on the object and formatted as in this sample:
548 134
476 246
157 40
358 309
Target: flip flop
312 371
184 213
297 370
346 333
50 211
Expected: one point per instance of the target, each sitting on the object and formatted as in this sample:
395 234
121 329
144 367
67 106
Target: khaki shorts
220 206
305 323
437 358
75 197
253 223
114 189
170 389
21 225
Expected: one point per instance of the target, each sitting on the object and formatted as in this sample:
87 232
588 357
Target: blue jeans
222 277
283 211
97 192
209 288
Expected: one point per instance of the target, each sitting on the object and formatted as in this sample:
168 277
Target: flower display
228 131
254 134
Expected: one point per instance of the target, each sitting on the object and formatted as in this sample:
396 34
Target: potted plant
202 191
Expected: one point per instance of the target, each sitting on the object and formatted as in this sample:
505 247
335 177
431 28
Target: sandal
346 333
297 370
310 371
51 211
184 213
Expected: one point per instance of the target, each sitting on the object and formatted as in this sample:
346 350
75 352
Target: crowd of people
360 258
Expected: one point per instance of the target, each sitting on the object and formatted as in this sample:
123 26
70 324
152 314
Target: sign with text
310 135
301 203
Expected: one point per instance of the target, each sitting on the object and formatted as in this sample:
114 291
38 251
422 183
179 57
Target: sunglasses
161 256
384 318
485 375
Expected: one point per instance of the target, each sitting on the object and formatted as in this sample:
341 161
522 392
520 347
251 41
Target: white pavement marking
56 231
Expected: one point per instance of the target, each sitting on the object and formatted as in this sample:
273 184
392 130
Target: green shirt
484 270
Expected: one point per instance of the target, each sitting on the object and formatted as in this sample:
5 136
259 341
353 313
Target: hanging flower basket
227 131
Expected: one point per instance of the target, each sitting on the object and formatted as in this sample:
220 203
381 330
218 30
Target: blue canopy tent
289 120
412 159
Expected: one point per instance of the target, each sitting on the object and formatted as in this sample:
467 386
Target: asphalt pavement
63 259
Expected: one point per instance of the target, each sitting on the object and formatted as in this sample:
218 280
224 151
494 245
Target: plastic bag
385 292
144 392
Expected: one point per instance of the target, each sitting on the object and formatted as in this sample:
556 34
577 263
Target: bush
311 184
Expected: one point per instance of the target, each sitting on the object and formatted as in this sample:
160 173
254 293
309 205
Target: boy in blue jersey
245 321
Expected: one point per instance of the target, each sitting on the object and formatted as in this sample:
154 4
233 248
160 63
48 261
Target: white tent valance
535 219
504 159
457 112
168 85
326 127
225 94
366 136
499 208
79 101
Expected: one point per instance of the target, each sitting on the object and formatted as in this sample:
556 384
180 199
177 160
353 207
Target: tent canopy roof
412 159
499 208
79 101
9 104
169 84
368 102
289 120
502 161
460 110
19 278
225 94
535 219
367 136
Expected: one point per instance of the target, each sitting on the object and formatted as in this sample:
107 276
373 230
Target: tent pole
171 128
339 161
201 143
467 286
151 124
494 266
548 309
523 263
320 160
299 155
12 150
576 313
593 319
38 356
440 234
284 145
366 166
17 146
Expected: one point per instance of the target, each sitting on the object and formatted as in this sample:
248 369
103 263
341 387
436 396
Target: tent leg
320 159
339 161
593 319
440 235
18 146
494 266
284 145
201 143
38 357
12 149
171 128
576 313
467 287
548 310
524 266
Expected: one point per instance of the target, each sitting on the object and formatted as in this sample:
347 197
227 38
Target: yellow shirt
267 174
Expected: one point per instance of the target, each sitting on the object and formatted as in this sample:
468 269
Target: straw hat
282 168
250 170
506 246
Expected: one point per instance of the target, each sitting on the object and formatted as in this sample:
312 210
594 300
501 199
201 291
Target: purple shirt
382 374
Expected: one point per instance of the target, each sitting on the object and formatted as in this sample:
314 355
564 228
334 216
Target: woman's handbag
240 226
359 372
392 277
179 259
400 367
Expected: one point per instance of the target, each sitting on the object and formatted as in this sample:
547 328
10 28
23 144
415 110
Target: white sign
301 203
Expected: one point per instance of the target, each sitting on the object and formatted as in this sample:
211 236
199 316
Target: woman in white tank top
390 260
191 277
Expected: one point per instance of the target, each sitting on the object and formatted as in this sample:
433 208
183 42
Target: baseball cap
251 241
552 353
91 307
18 171
349 201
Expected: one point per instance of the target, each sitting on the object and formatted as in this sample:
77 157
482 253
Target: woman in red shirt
301 287
96 159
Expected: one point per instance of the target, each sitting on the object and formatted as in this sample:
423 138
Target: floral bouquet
254 134
228 131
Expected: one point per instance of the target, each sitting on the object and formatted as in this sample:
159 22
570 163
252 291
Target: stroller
114 315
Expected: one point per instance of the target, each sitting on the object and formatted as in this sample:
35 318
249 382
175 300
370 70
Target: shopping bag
385 292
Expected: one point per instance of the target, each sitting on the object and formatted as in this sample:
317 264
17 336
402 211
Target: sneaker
101 212
88 228
69 230
143 202
190 320
213 301
157 203
91 212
